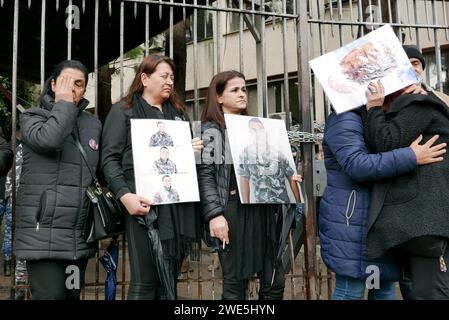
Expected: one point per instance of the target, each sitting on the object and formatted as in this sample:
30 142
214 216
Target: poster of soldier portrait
164 163
262 158
346 72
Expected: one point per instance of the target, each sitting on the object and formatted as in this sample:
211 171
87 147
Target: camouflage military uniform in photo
266 174
166 195
164 167
161 139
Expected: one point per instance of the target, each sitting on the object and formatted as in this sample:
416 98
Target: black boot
7 268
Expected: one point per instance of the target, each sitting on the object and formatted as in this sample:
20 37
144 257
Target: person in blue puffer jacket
344 207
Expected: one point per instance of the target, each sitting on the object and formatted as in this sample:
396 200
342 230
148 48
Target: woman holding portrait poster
244 234
151 96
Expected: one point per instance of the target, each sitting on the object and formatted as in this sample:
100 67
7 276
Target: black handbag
104 214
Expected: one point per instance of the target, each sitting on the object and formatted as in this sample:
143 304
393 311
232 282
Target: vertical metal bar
43 12
160 9
427 19
1 3
14 122
110 7
340 19
284 54
57 5
96 55
84 6
370 8
445 19
122 40
196 106
379 11
331 14
135 10
351 16
124 255
398 18
437 46
362 27
171 29
322 50
69 32
304 94
416 14
262 91
29 4
218 16
408 19
241 37
147 29
390 12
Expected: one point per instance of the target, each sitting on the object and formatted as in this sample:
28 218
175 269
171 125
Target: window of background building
233 19
431 69
204 26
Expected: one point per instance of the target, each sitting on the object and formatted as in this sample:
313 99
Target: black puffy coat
52 203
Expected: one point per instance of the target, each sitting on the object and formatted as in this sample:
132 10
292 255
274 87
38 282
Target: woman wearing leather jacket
244 234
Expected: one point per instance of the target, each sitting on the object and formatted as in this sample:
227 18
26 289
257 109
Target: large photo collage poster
346 72
164 162
262 158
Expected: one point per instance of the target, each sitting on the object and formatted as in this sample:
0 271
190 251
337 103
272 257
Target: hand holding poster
164 163
346 72
263 160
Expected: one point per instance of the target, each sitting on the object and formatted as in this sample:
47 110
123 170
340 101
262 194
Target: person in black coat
51 207
6 157
151 96
245 235
409 214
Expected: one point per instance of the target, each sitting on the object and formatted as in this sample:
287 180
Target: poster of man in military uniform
165 170
164 165
161 138
263 161
167 194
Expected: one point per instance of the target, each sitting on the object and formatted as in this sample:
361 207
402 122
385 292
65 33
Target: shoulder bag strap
83 154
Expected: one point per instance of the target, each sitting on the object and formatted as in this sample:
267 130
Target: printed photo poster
346 72
164 162
263 160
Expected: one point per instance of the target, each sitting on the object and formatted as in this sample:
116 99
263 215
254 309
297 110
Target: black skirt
253 235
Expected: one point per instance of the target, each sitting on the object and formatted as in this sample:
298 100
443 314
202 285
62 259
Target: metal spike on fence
1 3
184 11
84 6
160 10
110 7
57 5
135 10
29 4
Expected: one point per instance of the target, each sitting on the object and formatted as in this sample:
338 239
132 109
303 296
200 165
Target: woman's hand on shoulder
428 153
136 205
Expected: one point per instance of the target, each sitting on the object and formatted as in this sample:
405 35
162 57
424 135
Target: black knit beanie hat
413 51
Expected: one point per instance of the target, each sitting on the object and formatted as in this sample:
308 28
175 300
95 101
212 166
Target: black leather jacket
214 171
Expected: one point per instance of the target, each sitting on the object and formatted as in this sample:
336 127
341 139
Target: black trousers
56 279
145 283
424 279
235 289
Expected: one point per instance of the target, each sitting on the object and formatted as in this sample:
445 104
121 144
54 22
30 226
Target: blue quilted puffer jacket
344 207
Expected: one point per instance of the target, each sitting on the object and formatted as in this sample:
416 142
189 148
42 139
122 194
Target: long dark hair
213 111
72 64
148 66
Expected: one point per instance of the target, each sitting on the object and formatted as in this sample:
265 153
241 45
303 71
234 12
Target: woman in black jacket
51 203
151 96
409 214
247 233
